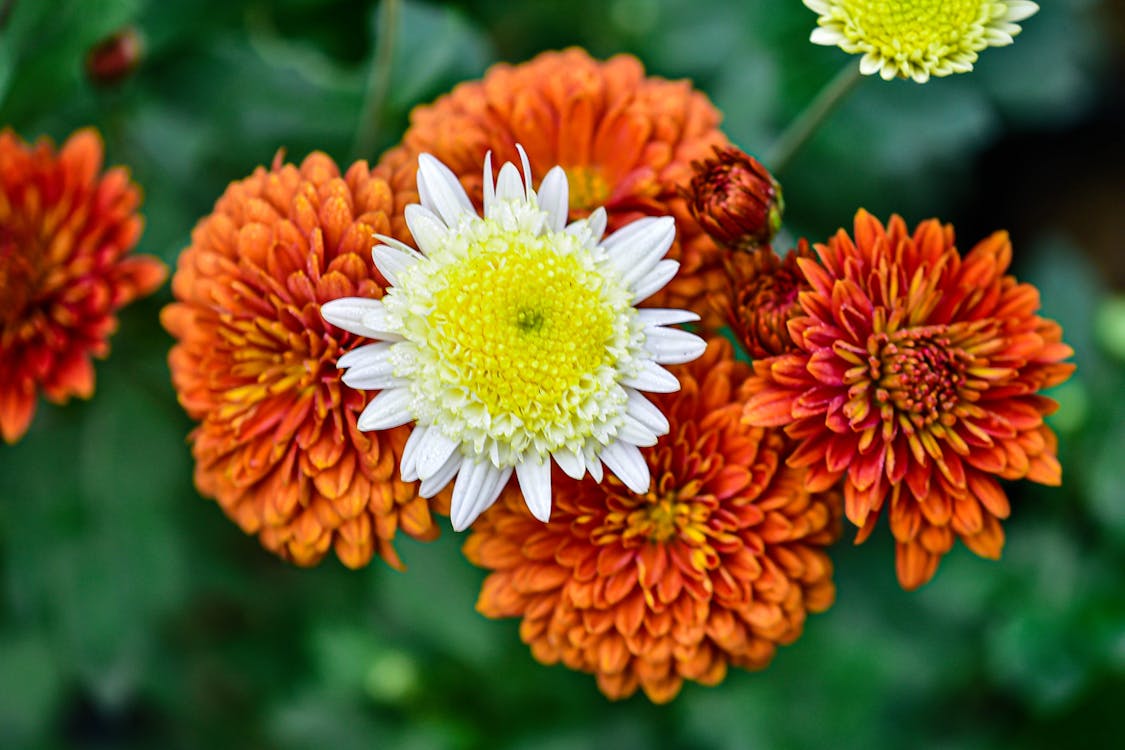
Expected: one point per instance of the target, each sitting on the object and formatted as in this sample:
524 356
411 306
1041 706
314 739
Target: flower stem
378 83
790 142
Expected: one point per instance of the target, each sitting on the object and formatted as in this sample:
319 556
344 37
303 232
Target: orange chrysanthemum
66 231
916 376
761 298
716 565
626 141
277 444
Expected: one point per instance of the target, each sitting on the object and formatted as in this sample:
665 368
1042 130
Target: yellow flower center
516 339
523 328
661 520
911 28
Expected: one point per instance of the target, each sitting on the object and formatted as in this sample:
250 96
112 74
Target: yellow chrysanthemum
917 38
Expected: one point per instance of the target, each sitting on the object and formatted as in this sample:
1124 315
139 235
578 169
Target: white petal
375 319
397 244
441 191
433 452
636 248
595 469
443 476
509 186
528 191
870 64
364 355
428 230
478 485
597 221
373 372
470 482
348 313
654 378
826 35
489 183
408 466
655 280
646 412
572 464
535 483
997 37
628 464
554 196
388 409
671 346
632 431
590 229
1018 10
391 261
655 316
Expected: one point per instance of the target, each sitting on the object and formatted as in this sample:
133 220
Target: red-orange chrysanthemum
761 298
716 565
626 141
916 376
66 232
255 364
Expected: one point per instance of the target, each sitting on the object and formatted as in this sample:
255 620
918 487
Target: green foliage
134 615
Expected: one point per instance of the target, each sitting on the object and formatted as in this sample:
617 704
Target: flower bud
111 60
762 298
735 199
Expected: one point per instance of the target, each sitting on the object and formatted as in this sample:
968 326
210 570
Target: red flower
916 376
255 364
66 231
626 141
716 565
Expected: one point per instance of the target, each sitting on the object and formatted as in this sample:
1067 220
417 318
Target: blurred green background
134 615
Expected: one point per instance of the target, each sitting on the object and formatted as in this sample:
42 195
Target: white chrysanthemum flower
917 38
513 338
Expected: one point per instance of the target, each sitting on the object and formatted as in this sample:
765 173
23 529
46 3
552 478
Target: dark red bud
735 199
111 60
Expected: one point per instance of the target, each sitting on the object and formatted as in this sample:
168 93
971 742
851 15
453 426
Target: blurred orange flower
915 376
626 141
66 232
716 565
254 363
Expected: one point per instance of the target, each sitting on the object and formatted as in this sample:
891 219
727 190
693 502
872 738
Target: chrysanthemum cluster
508 337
